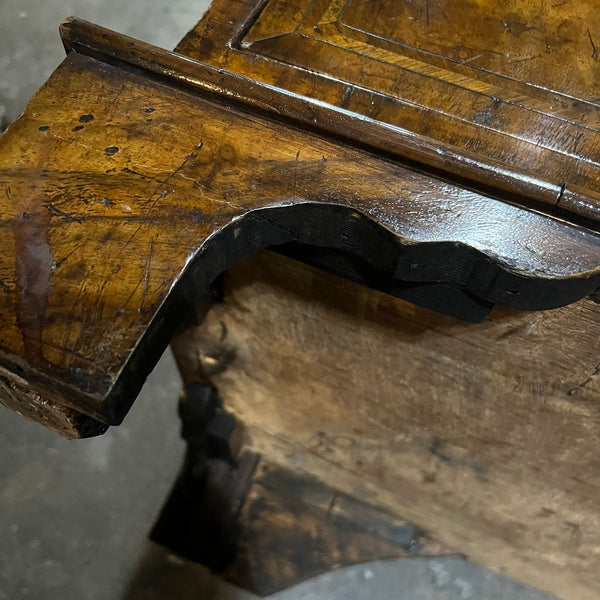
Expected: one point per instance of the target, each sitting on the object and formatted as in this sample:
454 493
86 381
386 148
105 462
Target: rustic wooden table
444 154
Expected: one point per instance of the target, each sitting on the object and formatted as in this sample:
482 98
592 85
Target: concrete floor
74 516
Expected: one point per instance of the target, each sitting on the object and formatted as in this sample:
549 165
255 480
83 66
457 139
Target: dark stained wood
268 528
136 176
295 528
486 436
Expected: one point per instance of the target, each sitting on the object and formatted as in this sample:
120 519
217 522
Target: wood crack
147 276
584 384
594 49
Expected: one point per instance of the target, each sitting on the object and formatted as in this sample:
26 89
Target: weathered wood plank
485 435
267 528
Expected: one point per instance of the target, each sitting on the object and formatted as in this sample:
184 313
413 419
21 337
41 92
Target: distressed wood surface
47 409
486 436
136 176
295 528
369 139
267 528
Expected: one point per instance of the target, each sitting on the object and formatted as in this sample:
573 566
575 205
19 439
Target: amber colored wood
494 80
484 435
300 105
136 176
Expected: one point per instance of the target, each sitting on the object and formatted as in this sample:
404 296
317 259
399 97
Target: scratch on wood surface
161 182
526 59
189 157
162 195
59 263
98 307
121 309
64 215
72 352
72 140
573 391
147 276
332 504
594 49
295 174
468 60
116 98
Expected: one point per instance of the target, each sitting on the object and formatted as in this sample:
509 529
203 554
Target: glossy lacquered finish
508 92
137 175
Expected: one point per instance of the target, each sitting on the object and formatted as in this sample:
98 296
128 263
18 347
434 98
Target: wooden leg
262 526
199 519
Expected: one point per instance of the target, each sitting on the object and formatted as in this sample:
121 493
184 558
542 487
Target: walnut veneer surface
461 171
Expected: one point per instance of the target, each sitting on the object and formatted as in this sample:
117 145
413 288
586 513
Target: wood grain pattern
137 175
295 528
530 44
486 436
267 528
522 82
368 139
124 195
47 409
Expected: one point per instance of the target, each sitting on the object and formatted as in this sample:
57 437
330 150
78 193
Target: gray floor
74 515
